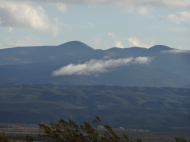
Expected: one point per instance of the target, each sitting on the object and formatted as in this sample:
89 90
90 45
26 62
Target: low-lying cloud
97 66
175 51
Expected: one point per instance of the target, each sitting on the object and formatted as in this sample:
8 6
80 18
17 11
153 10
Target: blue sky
101 24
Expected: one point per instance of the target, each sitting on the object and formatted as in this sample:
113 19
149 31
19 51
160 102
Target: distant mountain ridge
32 63
19 54
73 49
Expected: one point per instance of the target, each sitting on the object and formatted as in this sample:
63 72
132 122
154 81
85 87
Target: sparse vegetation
15 138
64 131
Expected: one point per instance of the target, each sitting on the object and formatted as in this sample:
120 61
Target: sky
101 24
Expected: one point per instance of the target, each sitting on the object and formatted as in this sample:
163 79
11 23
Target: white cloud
20 14
134 6
179 17
117 42
135 42
175 51
98 66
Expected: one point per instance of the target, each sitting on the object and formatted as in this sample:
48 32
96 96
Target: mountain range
134 88
34 65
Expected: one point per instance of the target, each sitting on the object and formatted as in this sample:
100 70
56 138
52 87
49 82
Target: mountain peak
114 49
76 45
73 43
159 48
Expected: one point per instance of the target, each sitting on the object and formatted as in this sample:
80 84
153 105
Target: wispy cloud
142 10
117 42
175 51
98 66
20 14
89 23
60 6
179 17
135 42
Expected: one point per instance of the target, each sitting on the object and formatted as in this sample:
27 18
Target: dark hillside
148 108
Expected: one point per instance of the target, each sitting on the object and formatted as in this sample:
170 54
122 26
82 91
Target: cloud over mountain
135 42
117 42
175 51
97 66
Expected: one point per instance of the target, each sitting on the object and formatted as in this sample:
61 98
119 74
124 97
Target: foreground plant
180 140
70 132
63 131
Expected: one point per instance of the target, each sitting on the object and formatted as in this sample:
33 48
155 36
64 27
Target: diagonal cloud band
175 51
97 66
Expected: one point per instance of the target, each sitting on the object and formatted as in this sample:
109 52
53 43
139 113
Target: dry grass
19 129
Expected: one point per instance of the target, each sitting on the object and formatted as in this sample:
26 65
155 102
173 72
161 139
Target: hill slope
159 109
